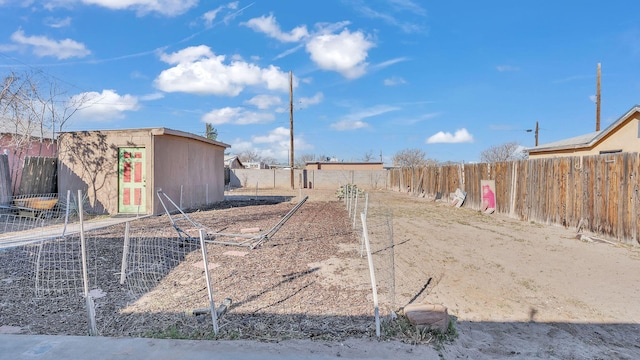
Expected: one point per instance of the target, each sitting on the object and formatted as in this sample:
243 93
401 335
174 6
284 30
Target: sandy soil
517 289
514 289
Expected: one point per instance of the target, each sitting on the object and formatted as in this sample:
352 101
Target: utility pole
536 132
598 100
291 125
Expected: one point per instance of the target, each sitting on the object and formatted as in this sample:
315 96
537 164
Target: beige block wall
341 166
317 179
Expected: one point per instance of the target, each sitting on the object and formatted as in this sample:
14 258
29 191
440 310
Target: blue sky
449 77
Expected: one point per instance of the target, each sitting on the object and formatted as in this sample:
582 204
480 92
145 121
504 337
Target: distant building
256 165
233 162
22 139
334 165
623 135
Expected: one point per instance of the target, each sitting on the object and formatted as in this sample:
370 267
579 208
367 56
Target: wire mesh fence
141 277
32 211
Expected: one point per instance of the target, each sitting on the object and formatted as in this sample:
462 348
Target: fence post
355 210
125 252
212 305
85 277
374 288
66 215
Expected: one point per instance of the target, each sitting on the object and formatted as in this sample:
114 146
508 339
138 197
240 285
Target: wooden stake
291 125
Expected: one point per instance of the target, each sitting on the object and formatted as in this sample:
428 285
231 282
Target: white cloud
237 116
276 135
239 145
388 63
344 53
198 70
460 136
143 7
394 80
104 106
354 121
43 46
418 119
57 23
408 5
268 26
349 125
506 68
274 144
211 15
264 102
150 97
305 102
389 15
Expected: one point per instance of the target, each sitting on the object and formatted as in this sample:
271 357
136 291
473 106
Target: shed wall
189 171
88 161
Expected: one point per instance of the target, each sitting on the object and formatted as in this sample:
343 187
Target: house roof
8 126
167 131
228 159
162 131
586 140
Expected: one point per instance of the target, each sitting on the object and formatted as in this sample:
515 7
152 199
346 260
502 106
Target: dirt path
516 288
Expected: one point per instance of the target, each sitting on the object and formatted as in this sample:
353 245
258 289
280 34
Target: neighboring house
19 140
232 162
334 165
256 165
623 135
121 170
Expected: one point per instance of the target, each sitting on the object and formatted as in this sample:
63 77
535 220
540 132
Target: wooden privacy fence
599 193
39 175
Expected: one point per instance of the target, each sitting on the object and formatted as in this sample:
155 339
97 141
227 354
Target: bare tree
368 156
32 107
249 156
302 159
410 158
322 157
269 160
510 151
35 105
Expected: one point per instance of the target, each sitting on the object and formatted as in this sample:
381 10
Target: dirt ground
518 289
514 289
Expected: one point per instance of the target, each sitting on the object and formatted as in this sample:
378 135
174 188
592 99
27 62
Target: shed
121 170
623 135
